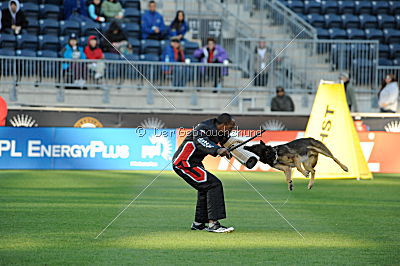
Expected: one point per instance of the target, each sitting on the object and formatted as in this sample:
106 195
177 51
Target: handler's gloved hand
224 152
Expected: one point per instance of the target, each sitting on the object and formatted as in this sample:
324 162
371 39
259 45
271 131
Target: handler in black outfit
187 163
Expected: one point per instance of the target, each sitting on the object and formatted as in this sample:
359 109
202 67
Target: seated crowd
117 41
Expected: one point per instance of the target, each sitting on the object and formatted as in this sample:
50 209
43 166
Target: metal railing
106 75
305 62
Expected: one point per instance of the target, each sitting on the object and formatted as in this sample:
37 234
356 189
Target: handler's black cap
224 118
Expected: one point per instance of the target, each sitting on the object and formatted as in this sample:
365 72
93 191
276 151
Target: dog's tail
319 144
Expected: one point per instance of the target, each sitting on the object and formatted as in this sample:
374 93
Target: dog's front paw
306 174
290 185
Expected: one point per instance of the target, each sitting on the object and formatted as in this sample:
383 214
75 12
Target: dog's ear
262 142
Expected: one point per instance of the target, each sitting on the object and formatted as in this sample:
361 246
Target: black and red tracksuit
187 163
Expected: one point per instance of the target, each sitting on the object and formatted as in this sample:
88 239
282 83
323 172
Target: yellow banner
331 123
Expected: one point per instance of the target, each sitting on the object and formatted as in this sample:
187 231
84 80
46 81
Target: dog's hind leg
308 165
330 155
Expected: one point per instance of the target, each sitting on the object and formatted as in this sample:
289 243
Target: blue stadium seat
31 10
33 26
49 27
363 7
50 12
26 53
397 19
394 7
296 6
384 62
27 41
49 42
83 41
336 33
312 7
391 35
112 56
131 4
132 30
355 34
150 47
394 50
132 57
374 34
190 47
346 7
133 15
316 20
368 22
323 33
380 7
7 52
329 7
47 53
396 62
7 41
104 26
384 51
333 21
386 22
350 21
149 57
89 28
69 26
62 41
135 43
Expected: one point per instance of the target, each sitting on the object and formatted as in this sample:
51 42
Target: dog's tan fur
288 156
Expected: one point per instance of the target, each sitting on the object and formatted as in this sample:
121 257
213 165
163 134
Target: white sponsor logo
161 147
205 143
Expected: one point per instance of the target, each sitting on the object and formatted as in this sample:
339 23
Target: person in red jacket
93 52
3 112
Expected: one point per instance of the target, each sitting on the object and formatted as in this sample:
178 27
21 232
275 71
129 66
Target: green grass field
52 217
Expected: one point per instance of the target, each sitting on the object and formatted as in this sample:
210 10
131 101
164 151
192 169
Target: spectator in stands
75 8
213 53
178 27
388 94
350 94
174 53
112 10
3 112
117 37
93 52
13 19
153 26
74 71
282 102
95 11
262 58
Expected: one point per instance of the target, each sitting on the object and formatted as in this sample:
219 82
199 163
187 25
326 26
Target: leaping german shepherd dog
294 154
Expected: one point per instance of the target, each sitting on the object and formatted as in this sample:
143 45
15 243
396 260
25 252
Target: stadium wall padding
149 149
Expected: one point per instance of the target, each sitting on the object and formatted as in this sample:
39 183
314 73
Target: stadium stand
355 20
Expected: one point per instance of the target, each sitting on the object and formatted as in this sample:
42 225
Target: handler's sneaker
218 228
198 226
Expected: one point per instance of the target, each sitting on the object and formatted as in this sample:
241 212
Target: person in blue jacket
76 70
175 53
178 27
153 26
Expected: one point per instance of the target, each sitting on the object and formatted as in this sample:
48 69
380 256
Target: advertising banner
149 149
94 149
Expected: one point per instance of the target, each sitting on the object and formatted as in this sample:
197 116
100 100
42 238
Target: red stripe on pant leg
201 173
185 154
